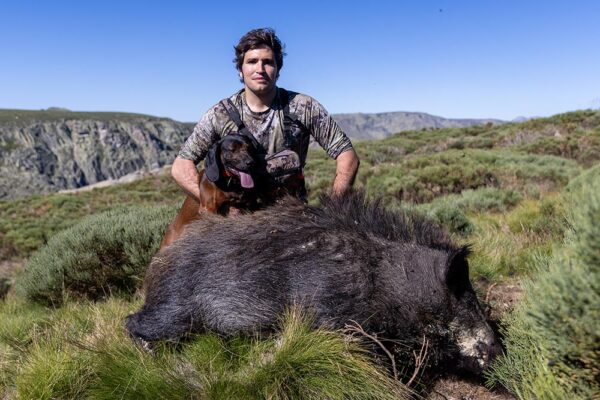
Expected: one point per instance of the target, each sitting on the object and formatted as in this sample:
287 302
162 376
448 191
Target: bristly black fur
355 212
396 273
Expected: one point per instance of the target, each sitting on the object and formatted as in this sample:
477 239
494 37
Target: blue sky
499 59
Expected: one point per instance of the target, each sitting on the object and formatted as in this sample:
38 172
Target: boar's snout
478 348
487 351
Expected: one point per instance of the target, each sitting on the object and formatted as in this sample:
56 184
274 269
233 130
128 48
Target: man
262 108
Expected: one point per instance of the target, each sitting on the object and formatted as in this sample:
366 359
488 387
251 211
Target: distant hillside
56 149
481 167
49 150
381 125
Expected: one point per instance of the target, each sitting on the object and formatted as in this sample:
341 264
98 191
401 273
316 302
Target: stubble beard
261 91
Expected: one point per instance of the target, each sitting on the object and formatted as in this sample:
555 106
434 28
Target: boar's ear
456 274
211 163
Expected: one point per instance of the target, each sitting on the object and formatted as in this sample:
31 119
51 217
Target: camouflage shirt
267 127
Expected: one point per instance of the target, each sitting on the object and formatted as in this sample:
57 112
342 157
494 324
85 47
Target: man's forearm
346 167
186 175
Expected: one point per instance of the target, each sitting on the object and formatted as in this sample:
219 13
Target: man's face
259 70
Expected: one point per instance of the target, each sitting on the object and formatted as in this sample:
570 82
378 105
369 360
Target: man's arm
186 175
346 167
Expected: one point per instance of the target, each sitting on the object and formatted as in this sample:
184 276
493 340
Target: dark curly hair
257 38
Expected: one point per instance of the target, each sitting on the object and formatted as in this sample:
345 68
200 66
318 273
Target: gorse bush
104 254
82 351
553 338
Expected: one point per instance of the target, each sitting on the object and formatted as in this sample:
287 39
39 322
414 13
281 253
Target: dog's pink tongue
246 180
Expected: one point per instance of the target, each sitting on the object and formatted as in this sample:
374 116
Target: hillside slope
51 150
46 151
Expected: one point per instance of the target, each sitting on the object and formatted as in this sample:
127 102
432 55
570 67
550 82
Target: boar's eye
457 272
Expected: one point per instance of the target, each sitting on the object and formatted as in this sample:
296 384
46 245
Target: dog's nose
248 163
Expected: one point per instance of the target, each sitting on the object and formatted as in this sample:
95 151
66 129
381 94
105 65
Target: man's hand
186 175
346 166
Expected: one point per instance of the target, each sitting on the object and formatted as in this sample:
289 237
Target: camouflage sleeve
326 131
202 138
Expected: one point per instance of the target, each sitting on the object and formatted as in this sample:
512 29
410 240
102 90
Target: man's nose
260 67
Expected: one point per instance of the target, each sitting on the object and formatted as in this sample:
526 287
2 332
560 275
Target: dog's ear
211 163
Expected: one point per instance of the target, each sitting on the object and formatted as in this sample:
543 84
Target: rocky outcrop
49 154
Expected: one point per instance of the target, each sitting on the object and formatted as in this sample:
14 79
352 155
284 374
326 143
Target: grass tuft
83 351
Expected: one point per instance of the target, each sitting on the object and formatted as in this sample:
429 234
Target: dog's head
236 155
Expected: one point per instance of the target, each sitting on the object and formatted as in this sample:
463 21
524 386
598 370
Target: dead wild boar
395 273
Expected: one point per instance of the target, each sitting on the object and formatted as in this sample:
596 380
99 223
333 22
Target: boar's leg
158 324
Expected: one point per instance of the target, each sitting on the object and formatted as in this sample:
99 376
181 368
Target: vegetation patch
94 358
506 244
507 190
482 200
421 179
104 254
27 224
553 338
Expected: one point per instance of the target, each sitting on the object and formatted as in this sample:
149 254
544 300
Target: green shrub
553 338
104 254
486 199
452 218
580 182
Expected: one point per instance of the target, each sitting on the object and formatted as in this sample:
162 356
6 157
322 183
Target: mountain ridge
55 149
365 126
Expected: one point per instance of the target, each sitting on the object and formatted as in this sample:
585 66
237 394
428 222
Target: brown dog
235 178
226 183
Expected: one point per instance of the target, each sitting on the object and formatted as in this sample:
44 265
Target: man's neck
260 102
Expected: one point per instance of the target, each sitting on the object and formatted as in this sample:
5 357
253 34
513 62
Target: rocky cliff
46 151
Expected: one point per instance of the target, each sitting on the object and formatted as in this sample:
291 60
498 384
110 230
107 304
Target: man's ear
211 163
